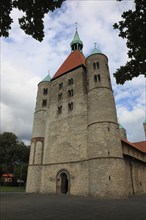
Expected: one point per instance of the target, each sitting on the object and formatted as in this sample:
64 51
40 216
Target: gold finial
76 25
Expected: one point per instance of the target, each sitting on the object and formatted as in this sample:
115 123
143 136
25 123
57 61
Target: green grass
11 189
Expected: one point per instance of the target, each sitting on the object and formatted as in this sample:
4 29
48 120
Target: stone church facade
77 145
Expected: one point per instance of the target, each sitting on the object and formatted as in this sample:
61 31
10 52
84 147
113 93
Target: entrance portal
62 183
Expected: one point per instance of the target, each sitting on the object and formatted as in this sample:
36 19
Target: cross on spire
76 25
94 45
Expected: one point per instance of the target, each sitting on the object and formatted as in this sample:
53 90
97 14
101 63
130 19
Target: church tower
76 145
104 147
38 136
64 165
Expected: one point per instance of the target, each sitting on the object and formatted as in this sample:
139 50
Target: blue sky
25 62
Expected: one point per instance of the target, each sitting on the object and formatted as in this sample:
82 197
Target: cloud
25 62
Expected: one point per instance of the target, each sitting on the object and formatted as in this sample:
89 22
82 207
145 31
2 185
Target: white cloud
133 122
26 61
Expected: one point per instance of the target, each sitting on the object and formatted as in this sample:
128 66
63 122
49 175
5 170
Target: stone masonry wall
78 178
66 133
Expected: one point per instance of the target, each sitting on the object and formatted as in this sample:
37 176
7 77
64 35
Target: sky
26 61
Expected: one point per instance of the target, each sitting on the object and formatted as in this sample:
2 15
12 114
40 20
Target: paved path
21 206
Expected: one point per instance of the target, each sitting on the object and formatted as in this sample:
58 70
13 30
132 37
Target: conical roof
95 50
76 43
74 60
76 39
47 78
120 126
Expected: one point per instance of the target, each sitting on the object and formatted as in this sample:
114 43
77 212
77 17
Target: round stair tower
38 136
104 145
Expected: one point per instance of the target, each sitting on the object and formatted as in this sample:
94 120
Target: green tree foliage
32 21
133 29
14 155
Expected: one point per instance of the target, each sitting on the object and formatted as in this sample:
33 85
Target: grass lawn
12 189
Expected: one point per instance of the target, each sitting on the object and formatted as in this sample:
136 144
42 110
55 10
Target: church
77 145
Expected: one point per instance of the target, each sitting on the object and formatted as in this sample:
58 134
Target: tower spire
76 43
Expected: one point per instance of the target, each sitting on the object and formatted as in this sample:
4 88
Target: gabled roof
74 60
8 175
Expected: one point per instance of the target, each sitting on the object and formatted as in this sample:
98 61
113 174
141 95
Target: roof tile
74 60
138 145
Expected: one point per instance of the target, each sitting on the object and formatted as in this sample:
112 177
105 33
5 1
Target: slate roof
74 60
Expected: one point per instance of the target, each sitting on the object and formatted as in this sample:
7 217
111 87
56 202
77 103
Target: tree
32 21
13 155
133 28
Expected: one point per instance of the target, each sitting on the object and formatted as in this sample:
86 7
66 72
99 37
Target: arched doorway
62 183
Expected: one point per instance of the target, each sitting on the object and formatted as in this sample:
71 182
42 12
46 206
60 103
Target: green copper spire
120 126
47 78
95 50
76 43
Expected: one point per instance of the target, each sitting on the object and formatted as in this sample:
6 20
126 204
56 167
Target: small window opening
70 82
108 153
45 91
97 78
44 102
59 109
109 178
70 106
70 93
140 183
96 65
61 85
108 129
60 96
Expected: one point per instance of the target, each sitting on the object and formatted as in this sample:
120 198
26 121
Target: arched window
59 109
70 81
96 65
60 85
70 92
45 91
44 102
97 78
70 106
59 96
